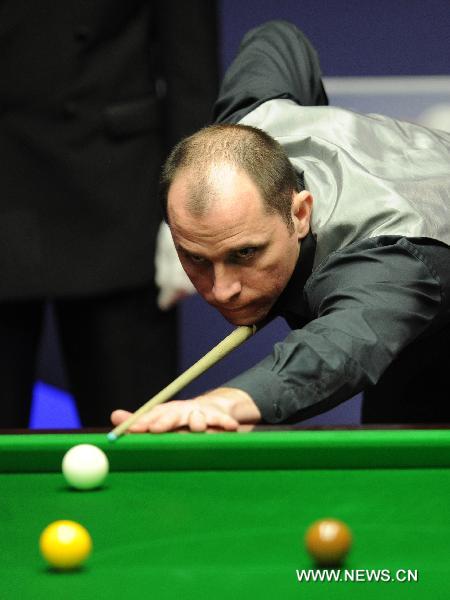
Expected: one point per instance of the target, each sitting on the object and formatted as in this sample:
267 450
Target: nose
227 285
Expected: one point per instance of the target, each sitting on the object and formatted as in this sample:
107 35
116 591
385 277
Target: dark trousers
118 350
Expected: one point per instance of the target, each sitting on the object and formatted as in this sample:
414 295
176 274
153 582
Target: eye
195 258
245 253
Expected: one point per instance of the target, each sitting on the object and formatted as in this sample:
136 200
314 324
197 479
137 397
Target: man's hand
225 408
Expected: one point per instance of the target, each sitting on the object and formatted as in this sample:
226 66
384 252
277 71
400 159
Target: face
238 256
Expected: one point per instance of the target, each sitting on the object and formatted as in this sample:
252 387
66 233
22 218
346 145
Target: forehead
223 194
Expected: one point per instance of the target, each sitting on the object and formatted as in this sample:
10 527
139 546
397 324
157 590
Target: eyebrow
257 246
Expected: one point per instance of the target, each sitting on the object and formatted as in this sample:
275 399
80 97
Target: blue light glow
52 408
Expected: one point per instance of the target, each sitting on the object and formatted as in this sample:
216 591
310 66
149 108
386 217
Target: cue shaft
232 341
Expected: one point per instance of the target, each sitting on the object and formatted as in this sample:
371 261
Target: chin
240 321
245 317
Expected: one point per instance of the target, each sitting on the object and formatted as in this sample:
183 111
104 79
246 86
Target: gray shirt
369 175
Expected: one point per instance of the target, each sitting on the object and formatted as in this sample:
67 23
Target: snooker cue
232 341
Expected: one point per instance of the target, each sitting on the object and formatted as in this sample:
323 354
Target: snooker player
336 221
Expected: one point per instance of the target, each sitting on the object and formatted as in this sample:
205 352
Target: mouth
232 310
249 313
250 306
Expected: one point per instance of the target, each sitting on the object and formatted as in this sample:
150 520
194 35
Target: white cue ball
85 467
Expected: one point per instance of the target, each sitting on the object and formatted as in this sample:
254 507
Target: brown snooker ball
328 542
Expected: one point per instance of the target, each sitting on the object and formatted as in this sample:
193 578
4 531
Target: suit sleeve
189 65
275 60
370 301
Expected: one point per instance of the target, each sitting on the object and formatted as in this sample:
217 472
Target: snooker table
223 515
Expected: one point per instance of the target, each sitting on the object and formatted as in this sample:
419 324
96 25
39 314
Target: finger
223 421
118 416
146 420
228 423
164 417
139 427
166 422
197 421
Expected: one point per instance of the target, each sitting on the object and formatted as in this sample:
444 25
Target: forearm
275 60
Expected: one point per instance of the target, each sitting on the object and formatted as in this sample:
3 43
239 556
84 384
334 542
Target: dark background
383 37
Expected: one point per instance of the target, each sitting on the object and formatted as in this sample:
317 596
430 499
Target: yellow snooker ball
65 544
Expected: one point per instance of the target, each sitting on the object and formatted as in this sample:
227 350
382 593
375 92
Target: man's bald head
205 157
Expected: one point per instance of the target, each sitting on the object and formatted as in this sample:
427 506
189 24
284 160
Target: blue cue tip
112 437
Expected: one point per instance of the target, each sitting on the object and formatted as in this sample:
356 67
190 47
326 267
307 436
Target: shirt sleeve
369 301
275 60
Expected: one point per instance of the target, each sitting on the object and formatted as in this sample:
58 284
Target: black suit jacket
92 96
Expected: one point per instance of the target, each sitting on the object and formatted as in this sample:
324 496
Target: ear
301 212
